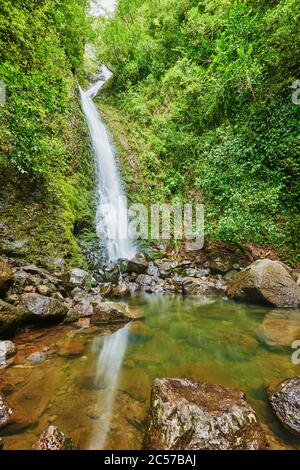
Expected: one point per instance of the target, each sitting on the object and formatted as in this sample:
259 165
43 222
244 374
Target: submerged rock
265 281
53 439
7 350
36 357
5 413
112 312
1 444
284 398
278 331
42 308
186 415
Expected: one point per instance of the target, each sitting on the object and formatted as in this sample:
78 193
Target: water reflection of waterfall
107 374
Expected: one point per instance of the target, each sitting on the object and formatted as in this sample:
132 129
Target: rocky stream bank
33 296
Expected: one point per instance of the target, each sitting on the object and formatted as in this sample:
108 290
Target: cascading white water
111 214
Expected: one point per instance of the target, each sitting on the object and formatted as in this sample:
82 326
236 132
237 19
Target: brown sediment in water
218 343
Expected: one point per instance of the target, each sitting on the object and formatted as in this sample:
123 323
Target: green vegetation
45 165
202 93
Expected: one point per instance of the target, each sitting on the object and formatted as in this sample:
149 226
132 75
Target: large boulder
112 312
284 398
53 439
41 308
265 282
186 415
6 274
5 413
10 318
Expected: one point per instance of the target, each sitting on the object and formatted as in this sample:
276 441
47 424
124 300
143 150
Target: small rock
278 331
221 265
58 296
230 274
121 290
152 270
7 349
53 439
84 308
105 289
136 265
112 312
284 398
83 323
36 357
193 286
5 413
77 277
144 280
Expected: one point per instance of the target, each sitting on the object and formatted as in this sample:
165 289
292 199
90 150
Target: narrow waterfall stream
111 214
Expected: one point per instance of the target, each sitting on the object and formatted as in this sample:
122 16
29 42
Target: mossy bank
46 190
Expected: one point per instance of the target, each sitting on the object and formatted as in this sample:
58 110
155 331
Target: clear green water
96 384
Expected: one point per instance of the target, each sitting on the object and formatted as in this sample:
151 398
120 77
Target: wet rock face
5 413
285 402
267 282
53 439
7 350
41 308
6 274
10 318
112 312
186 415
136 265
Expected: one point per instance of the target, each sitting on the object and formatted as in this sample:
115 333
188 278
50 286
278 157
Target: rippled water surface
95 385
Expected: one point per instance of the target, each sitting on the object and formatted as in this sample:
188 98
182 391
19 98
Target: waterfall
111 213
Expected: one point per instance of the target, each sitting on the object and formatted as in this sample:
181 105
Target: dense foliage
203 91
43 141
